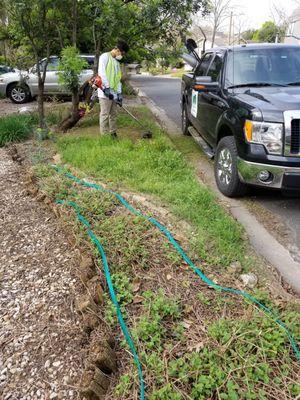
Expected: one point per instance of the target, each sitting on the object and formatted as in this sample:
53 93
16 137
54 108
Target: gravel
8 107
41 339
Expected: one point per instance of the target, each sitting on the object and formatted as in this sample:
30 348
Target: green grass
156 168
18 127
15 128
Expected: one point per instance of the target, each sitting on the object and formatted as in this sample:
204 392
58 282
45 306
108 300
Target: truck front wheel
226 172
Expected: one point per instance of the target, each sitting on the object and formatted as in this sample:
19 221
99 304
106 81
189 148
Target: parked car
21 86
5 68
242 105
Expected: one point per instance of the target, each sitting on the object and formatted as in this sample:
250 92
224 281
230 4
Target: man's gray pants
108 116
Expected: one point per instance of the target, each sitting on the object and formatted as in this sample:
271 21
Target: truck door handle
213 99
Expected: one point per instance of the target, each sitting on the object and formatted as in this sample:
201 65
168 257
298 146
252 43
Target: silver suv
22 86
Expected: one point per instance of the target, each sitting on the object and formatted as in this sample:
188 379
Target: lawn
156 168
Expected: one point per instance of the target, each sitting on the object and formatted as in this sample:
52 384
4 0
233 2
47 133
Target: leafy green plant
165 393
123 388
124 292
70 67
150 328
159 304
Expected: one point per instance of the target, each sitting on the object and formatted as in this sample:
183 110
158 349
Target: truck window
53 64
202 68
215 68
279 65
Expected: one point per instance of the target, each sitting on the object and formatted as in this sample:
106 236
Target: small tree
70 68
268 32
31 24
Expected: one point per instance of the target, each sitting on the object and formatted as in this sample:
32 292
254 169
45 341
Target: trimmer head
147 135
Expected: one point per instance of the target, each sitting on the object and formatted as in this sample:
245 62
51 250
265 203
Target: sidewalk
40 334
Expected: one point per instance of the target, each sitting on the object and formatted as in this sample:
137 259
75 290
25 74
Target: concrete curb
262 241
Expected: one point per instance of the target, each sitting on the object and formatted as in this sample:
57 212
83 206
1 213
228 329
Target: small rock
56 364
53 395
249 280
47 364
235 268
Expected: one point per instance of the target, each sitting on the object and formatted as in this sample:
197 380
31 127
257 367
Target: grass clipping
194 342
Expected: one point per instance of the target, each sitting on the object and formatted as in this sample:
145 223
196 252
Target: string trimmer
96 83
145 134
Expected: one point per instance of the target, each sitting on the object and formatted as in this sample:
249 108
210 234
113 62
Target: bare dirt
41 338
7 107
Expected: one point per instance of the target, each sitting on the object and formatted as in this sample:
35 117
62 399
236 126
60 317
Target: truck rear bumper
267 175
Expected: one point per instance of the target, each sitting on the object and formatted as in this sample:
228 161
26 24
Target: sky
258 11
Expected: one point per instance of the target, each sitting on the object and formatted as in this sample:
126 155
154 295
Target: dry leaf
186 323
196 347
136 286
138 299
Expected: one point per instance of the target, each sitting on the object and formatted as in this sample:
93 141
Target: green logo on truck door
194 108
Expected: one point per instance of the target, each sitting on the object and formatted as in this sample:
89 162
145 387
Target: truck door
211 104
196 113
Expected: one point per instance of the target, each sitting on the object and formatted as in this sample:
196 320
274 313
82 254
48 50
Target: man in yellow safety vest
111 94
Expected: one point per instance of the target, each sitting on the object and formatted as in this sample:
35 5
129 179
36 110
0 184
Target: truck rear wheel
226 172
185 122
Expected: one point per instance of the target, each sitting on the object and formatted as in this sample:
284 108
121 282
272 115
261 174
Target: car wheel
226 172
18 94
185 122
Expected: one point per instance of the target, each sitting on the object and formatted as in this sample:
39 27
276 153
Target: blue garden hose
184 256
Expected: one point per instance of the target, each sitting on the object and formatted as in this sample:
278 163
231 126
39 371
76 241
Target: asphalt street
165 92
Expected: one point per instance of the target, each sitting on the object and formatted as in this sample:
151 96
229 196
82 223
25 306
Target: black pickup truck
242 105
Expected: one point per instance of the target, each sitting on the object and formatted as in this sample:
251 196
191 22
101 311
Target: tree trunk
213 37
41 110
74 15
97 56
74 115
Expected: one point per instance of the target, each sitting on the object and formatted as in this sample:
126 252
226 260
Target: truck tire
226 173
18 94
185 122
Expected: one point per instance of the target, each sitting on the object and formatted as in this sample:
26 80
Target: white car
22 86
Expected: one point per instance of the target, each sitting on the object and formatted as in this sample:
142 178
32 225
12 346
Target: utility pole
230 28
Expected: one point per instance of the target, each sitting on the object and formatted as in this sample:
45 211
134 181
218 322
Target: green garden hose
112 292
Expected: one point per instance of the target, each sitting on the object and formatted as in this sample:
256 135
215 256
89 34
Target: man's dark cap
122 46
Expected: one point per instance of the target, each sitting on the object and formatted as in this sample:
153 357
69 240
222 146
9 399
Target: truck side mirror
205 84
191 45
